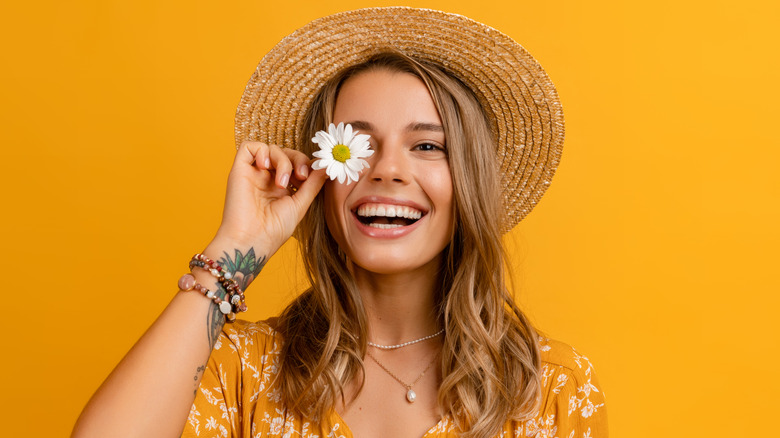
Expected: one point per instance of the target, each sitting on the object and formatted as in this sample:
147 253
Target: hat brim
519 98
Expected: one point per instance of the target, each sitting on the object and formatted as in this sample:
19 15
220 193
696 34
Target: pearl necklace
393 347
411 396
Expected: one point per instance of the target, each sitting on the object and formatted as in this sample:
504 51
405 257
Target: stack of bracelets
233 302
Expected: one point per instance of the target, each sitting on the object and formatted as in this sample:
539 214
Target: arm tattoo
215 319
244 268
196 379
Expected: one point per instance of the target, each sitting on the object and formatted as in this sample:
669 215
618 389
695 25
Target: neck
400 306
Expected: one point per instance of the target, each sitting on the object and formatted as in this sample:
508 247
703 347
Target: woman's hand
269 190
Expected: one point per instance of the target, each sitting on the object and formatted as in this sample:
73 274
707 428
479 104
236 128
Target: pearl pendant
411 396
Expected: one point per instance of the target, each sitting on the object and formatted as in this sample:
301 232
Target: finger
251 152
281 164
308 191
300 163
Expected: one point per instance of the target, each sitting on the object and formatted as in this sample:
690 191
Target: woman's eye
428 147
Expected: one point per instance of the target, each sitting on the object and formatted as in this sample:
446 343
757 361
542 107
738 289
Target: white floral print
240 397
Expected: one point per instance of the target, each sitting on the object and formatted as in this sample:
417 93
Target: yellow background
654 251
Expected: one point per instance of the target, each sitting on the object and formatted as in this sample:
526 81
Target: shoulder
243 332
556 354
245 342
572 402
247 358
566 371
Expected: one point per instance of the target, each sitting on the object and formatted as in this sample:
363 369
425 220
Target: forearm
151 391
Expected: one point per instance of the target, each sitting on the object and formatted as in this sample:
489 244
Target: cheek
335 199
441 190
437 183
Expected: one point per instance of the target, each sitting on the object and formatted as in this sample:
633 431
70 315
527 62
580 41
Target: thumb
308 191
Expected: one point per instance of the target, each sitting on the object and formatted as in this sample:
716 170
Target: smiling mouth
386 216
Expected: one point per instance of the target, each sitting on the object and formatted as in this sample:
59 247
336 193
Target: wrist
242 262
226 241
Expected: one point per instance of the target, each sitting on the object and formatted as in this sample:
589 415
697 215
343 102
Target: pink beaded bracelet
187 282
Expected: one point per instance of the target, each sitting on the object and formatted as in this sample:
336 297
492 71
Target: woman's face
399 216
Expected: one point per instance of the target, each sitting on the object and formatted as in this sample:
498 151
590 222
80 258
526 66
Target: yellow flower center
340 153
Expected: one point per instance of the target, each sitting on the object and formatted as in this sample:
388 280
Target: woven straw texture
517 95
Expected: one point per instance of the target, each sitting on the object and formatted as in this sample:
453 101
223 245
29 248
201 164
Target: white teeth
388 210
385 226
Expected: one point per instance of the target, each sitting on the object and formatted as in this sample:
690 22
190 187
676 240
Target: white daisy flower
341 152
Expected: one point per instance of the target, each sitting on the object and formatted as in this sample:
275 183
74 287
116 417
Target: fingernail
267 163
285 179
304 171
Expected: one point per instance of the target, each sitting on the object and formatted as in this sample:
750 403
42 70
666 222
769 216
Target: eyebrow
414 126
359 124
435 127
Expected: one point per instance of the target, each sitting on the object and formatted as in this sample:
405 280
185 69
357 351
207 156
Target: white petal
317 137
362 138
334 167
330 169
326 140
357 148
347 134
362 154
342 174
363 163
351 175
360 146
320 164
332 130
354 164
340 133
323 154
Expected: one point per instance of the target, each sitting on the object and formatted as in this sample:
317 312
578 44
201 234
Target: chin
394 264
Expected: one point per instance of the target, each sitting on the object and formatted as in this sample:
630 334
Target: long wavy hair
490 362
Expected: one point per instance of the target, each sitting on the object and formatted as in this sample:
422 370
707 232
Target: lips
386 215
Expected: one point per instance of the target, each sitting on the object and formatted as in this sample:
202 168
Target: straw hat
515 92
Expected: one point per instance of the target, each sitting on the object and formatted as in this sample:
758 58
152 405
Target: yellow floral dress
238 396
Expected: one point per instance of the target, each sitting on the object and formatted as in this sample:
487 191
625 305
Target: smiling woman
409 172
408 329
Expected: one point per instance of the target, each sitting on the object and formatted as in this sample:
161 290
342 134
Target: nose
389 163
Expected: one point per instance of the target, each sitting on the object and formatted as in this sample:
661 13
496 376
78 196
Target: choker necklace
393 347
411 396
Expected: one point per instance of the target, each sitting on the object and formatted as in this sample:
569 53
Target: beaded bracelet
235 294
187 282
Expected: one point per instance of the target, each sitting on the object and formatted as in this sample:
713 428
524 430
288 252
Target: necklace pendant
411 396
